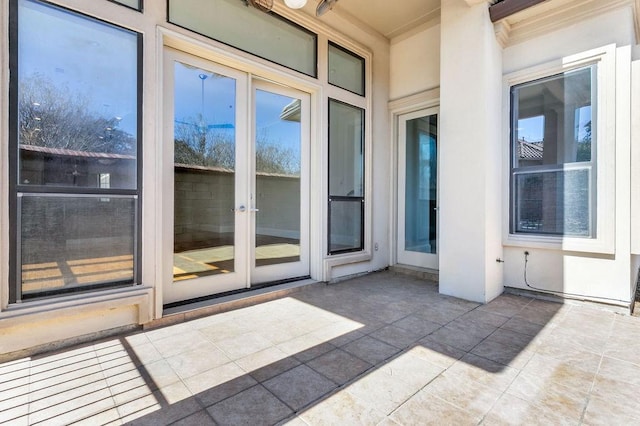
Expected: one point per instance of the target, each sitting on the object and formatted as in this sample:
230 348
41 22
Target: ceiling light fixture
324 6
295 4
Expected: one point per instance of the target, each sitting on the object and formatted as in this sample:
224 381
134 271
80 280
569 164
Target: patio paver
383 349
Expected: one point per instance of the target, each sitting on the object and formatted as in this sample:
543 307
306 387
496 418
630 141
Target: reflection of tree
57 117
584 146
198 145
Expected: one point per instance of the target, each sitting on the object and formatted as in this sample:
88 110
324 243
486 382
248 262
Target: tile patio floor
384 349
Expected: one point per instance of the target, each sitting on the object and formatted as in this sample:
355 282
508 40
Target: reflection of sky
214 99
532 128
271 129
83 56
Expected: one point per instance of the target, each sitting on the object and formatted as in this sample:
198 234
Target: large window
74 152
553 155
346 177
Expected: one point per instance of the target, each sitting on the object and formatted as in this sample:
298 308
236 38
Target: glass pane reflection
204 173
278 141
345 227
70 242
77 101
421 184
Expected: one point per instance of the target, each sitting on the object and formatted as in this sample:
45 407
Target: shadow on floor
378 347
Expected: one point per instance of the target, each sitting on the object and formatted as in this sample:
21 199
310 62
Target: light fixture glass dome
295 4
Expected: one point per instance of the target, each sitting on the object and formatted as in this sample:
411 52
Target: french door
418 189
236 188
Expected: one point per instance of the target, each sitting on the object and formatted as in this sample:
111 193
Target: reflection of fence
40 165
554 201
204 199
75 240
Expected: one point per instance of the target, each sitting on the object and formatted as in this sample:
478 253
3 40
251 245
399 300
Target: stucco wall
589 274
415 61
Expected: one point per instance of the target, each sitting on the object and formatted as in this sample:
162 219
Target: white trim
403 256
416 102
543 19
4 159
635 157
604 242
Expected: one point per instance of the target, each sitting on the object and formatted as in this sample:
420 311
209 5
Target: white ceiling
388 17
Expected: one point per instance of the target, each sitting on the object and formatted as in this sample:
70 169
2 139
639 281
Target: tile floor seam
591 388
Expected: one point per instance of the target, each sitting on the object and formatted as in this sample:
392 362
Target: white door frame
244 272
406 257
268 273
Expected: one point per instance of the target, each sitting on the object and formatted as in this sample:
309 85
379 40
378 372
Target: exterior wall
41 331
635 157
72 316
415 61
596 274
470 169
474 174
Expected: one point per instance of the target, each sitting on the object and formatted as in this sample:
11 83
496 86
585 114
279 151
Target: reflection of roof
291 112
530 150
225 170
74 153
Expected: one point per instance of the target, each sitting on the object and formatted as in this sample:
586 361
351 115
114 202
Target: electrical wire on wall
560 293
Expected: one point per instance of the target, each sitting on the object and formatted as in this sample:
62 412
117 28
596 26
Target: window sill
586 245
44 309
344 259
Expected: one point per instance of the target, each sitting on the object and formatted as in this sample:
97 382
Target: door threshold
216 304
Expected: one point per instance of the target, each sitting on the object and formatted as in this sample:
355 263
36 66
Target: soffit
387 17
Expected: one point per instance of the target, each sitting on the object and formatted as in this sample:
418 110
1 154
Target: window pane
277 158
204 173
77 100
345 231
68 243
556 202
553 119
346 70
262 34
421 195
346 150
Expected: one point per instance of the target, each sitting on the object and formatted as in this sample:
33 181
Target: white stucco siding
635 157
470 165
415 61
614 27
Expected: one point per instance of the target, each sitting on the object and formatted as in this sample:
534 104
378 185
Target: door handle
254 210
240 209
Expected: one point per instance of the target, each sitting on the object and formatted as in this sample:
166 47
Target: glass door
236 188
205 153
418 189
279 197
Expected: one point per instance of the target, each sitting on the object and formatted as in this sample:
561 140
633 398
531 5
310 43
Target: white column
471 152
